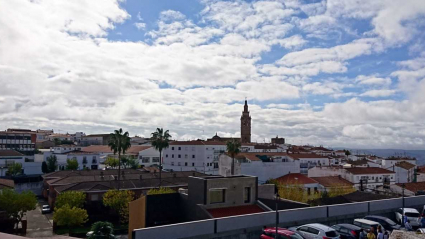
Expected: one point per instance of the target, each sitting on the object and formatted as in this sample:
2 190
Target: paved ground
39 224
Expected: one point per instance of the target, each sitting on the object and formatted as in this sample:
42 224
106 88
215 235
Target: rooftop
6 183
332 181
405 165
295 178
255 156
414 187
7 152
134 149
234 211
369 170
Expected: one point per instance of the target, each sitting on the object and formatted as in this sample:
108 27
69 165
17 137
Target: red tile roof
414 187
405 165
7 183
10 153
369 170
332 181
134 149
234 211
295 178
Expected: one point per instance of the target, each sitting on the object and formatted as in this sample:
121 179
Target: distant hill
418 154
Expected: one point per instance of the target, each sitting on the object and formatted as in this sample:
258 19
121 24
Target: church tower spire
245 124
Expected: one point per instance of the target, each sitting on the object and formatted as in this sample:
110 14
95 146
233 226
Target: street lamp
402 190
277 214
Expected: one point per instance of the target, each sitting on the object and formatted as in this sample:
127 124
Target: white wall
326 171
386 163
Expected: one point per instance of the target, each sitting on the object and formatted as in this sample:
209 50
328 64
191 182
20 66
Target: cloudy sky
347 73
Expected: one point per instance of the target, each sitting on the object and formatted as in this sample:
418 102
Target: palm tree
119 143
160 141
233 148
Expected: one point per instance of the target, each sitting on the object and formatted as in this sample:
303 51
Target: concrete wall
249 226
35 187
266 191
137 209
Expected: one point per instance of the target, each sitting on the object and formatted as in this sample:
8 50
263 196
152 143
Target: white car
317 231
45 209
411 214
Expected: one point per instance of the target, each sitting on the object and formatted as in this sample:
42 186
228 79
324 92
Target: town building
223 139
60 137
325 171
265 166
277 140
9 157
43 133
22 140
404 172
391 161
330 182
298 179
95 139
146 154
369 177
245 125
96 182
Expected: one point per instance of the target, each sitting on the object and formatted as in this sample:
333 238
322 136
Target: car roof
320 226
365 221
378 217
349 226
279 230
410 210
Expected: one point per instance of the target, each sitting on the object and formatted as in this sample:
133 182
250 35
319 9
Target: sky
338 73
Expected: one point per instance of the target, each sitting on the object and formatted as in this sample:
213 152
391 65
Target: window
247 195
84 160
166 155
172 163
172 148
185 163
207 148
193 156
172 156
145 160
313 231
217 196
180 148
155 159
185 156
179 156
94 161
193 164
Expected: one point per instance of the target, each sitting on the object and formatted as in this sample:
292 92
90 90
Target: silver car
317 231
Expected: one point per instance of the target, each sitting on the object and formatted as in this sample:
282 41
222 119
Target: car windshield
332 234
296 236
390 222
412 214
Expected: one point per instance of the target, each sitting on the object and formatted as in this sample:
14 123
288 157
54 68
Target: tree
160 141
17 204
119 143
347 152
69 216
52 163
14 169
71 164
129 162
161 190
103 230
118 201
233 148
111 162
57 141
70 198
44 167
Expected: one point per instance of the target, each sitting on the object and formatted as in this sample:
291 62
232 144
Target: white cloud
140 25
379 93
372 80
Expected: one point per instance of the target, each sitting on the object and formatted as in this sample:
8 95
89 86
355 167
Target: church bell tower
245 125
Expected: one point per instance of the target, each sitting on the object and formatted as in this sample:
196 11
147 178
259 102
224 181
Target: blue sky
335 73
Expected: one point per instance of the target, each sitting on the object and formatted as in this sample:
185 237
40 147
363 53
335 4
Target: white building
263 165
326 171
8 157
42 134
85 159
369 177
391 161
199 156
308 161
61 137
404 172
104 151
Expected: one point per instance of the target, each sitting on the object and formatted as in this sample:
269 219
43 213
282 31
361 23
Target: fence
232 227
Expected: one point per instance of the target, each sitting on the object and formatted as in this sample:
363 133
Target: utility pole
277 213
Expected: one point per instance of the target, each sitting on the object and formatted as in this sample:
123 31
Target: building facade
17 140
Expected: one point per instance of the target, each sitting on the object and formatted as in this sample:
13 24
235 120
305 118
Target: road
39 224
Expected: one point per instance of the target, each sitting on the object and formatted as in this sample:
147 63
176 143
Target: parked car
387 224
347 231
45 209
411 214
317 231
367 224
283 233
